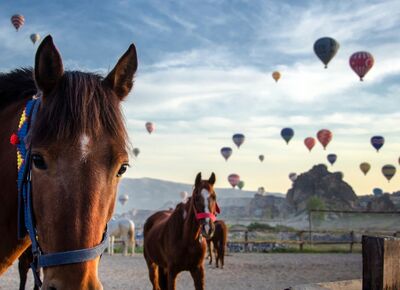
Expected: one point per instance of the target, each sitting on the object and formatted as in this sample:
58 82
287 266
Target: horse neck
191 226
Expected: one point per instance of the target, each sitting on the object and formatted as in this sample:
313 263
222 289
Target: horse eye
122 170
38 161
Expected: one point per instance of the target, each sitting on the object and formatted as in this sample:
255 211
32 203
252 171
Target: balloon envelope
309 142
150 127
136 152
287 134
261 190
17 21
233 179
34 37
365 167
361 62
326 48
331 158
240 184
226 152
377 191
123 198
183 195
261 157
238 139
276 76
377 142
324 137
388 171
292 176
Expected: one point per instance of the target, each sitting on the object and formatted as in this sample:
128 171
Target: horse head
205 204
78 153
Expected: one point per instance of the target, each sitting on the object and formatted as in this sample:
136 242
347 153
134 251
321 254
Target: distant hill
151 194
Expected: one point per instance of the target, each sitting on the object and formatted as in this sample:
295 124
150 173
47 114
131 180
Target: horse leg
210 246
112 239
23 268
198 277
126 244
163 278
216 254
222 254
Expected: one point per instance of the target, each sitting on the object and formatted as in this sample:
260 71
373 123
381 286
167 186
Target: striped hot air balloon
233 179
361 62
388 171
324 137
310 143
17 21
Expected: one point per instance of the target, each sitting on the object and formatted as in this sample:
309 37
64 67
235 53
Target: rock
381 203
329 187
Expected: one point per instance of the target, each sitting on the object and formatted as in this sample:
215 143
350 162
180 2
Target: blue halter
26 221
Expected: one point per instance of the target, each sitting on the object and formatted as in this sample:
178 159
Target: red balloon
324 137
309 142
17 21
361 62
234 179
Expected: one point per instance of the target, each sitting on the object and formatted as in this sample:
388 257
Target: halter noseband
26 222
205 215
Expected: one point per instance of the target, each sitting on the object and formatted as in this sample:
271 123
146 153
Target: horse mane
176 217
15 86
80 104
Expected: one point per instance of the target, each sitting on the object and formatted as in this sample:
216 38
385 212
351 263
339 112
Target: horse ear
198 179
48 66
120 79
211 180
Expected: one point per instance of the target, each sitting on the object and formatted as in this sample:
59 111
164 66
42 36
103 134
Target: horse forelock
80 106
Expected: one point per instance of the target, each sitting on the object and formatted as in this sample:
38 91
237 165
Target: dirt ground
242 271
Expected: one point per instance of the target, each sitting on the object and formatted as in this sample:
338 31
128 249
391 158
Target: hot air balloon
388 171
183 195
34 37
293 176
240 184
331 158
238 139
309 142
377 191
377 142
365 167
287 134
276 76
226 152
136 152
17 21
361 62
261 157
324 137
123 198
326 48
233 179
150 127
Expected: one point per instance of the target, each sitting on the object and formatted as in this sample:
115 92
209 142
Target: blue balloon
326 48
238 139
377 191
287 134
332 158
226 152
377 142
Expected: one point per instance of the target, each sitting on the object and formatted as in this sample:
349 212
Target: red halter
204 215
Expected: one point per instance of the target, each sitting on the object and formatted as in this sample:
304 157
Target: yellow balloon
276 75
365 167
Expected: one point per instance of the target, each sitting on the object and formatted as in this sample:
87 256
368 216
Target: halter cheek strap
26 221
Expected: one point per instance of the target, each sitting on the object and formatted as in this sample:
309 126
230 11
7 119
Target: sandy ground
242 271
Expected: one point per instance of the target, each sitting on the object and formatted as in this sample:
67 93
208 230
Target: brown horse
24 262
218 243
175 241
79 152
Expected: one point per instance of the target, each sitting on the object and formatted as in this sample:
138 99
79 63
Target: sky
205 73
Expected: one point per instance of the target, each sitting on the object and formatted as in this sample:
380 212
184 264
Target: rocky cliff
329 187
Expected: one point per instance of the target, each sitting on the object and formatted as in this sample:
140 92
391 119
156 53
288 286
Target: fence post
301 240
309 227
351 241
246 239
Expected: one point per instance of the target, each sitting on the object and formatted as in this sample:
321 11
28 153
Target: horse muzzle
207 229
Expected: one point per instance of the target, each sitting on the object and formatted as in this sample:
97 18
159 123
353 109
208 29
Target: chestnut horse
78 145
218 243
175 241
